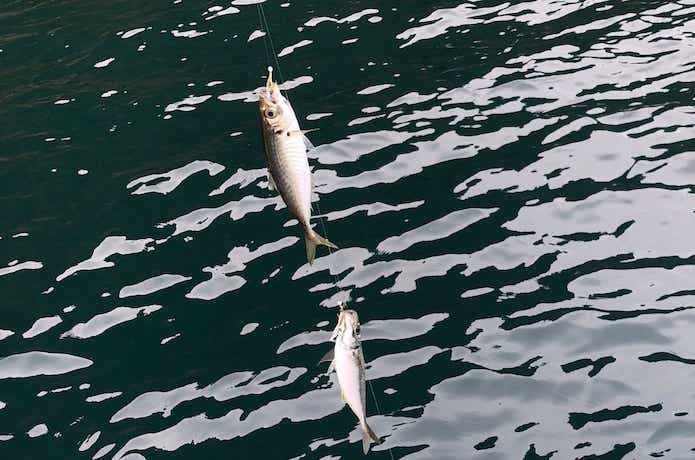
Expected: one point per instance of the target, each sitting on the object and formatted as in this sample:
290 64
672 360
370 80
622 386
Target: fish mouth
266 97
348 321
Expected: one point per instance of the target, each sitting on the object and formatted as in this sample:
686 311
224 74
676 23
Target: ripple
441 20
152 285
221 280
103 397
34 363
110 246
358 145
228 387
347 19
192 33
39 430
310 406
372 209
187 104
453 222
252 95
4 333
89 441
103 451
579 420
375 89
397 363
242 178
248 328
167 182
105 321
104 63
511 186
42 325
291 49
395 329
200 219
28 265
220 11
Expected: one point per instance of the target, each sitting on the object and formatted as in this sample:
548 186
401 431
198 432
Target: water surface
509 183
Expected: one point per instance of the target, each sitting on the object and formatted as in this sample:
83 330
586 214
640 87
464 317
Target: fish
285 146
348 361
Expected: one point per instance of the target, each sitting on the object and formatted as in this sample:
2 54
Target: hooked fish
288 167
348 361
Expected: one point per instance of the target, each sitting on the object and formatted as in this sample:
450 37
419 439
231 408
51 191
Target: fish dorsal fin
271 182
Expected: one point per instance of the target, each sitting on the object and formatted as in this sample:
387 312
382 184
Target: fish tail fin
368 436
313 239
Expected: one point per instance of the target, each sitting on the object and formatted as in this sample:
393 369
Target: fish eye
357 330
270 113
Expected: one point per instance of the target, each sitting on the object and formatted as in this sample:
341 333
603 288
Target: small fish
288 167
347 360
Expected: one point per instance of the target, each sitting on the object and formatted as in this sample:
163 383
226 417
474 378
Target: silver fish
288 166
348 361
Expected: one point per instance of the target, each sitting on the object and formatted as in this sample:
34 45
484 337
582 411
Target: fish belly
351 381
289 166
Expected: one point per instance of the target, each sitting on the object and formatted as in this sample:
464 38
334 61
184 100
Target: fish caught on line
348 361
285 147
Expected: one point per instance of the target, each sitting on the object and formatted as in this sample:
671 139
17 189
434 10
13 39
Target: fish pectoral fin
271 182
303 132
327 357
307 142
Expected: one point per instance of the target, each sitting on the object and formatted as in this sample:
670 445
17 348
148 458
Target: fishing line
263 30
378 411
265 27
342 306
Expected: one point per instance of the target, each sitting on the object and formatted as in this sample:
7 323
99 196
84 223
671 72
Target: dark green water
510 185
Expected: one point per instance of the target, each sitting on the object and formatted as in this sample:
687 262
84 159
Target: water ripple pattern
510 184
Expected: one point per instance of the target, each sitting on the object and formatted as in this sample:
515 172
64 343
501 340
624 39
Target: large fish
288 166
347 360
